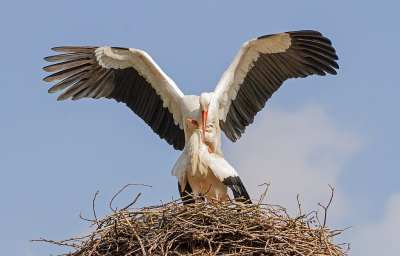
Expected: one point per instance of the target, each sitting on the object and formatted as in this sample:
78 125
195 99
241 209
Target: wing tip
61 98
74 48
49 79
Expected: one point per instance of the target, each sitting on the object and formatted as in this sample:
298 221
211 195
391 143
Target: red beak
193 122
204 114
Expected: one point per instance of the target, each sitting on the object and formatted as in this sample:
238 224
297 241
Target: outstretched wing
126 75
260 68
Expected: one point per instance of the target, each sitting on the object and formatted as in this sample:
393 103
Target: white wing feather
233 77
219 166
179 169
169 92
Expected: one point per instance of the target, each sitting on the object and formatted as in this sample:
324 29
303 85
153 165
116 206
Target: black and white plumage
260 68
206 174
126 75
131 76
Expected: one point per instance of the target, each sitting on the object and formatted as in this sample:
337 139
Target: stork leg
198 195
198 198
186 194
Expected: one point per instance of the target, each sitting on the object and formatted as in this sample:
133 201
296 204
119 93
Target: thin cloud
381 238
299 153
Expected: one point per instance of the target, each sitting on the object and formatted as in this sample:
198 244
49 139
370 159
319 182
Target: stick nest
207 228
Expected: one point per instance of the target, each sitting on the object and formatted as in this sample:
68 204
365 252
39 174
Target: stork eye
211 126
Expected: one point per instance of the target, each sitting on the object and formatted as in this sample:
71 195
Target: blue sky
342 130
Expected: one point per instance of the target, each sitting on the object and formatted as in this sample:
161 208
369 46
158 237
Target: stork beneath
205 173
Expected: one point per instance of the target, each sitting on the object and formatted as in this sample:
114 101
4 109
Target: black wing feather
84 77
239 191
310 53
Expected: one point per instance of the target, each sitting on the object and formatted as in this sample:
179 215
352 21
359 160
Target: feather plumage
68 57
79 49
67 73
260 68
136 86
68 64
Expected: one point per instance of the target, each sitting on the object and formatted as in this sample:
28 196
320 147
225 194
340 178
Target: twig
52 241
326 208
265 193
130 184
134 201
94 211
299 204
80 216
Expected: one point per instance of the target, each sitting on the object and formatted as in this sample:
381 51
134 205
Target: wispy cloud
27 252
299 153
381 238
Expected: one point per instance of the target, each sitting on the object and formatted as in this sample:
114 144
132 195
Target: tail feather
239 191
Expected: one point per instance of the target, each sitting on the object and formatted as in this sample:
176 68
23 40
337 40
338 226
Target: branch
130 184
326 208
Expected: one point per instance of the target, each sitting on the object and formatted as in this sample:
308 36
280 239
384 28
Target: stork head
205 100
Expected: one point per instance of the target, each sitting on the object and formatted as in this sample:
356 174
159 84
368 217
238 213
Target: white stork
132 77
204 173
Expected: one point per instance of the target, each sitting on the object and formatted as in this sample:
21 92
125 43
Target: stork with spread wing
132 77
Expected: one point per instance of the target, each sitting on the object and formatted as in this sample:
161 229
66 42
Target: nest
207 228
